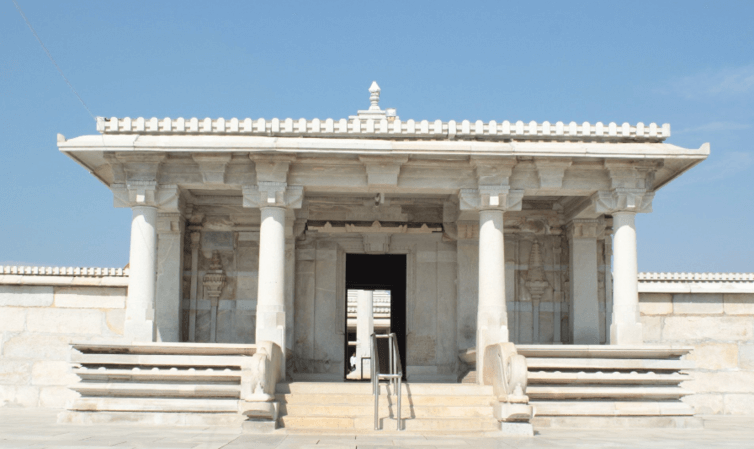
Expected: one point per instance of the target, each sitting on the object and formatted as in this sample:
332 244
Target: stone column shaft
270 296
626 326
492 315
139 324
364 331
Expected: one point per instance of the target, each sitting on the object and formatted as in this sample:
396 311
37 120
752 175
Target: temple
476 243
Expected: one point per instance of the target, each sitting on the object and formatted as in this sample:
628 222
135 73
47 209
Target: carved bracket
551 172
383 170
146 193
491 197
212 167
273 194
624 200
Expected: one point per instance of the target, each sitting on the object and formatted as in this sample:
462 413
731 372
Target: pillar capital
273 194
170 223
491 198
623 199
142 192
585 228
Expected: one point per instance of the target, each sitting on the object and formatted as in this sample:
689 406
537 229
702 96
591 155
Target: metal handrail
394 377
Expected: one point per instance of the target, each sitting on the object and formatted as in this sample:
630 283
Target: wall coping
696 282
63 276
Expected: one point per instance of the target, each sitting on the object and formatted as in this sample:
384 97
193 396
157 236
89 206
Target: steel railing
394 376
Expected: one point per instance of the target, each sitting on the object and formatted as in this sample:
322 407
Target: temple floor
37 428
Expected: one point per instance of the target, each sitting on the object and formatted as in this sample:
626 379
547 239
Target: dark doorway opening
380 272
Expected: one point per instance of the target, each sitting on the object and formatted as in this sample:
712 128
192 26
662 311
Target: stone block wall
40 314
720 326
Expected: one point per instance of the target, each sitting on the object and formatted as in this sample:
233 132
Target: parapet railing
356 127
394 376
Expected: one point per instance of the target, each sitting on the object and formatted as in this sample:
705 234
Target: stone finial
374 98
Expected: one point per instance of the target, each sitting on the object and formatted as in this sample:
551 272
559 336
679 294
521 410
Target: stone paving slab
37 428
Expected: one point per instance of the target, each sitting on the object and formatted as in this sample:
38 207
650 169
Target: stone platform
36 428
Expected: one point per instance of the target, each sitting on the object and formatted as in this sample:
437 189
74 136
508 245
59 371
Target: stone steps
557 377
142 404
157 383
612 408
162 390
607 385
333 406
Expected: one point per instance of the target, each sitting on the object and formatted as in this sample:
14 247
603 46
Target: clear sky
687 63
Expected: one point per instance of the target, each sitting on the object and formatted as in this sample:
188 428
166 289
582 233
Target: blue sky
687 63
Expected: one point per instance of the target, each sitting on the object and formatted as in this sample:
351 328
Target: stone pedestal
626 327
139 324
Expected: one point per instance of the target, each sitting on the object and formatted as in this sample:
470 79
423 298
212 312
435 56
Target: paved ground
23 428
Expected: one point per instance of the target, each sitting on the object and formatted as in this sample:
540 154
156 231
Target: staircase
437 408
583 386
157 383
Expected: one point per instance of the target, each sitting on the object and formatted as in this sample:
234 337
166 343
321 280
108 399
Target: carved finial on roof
374 98
374 112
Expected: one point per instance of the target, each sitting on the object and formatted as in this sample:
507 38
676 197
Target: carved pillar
492 314
273 198
623 204
214 281
585 305
144 197
195 244
536 283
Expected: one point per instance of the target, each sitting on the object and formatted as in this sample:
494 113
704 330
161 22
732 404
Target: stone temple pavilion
503 254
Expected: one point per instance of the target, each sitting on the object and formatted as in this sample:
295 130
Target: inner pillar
584 281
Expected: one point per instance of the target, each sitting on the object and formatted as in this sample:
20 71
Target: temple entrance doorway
375 302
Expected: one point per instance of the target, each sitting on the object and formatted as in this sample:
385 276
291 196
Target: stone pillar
364 331
626 326
139 324
492 314
623 204
583 235
169 276
273 199
270 296
195 243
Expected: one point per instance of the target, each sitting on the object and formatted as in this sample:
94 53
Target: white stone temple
502 255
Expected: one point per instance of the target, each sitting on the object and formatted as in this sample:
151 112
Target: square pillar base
626 334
